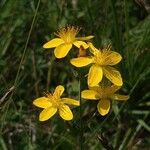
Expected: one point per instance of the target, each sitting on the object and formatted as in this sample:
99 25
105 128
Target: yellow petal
62 50
98 89
47 113
80 43
70 101
42 102
103 106
93 49
95 75
113 75
65 112
111 57
58 91
90 94
81 61
53 43
85 38
119 97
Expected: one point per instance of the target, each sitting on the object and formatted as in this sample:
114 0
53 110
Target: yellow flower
101 61
104 94
53 103
67 38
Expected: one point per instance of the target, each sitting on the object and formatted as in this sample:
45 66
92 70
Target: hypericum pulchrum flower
104 95
53 103
66 38
102 62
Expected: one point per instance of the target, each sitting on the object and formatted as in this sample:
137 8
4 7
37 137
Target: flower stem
81 122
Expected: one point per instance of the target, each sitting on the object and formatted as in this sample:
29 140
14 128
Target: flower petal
90 94
85 38
59 91
103 106
62 50
65 112
93 49
47 113
42 102
80 43
111 57
70 101
113 75
53 43
119 97
98 89
95 75
81 61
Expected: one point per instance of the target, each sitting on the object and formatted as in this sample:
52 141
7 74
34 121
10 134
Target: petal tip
68 119
119 83
104 114
62 50
42 119
44 46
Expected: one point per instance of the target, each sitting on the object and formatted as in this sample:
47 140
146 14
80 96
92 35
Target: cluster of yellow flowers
101 61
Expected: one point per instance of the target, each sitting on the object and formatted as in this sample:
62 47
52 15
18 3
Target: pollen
68 34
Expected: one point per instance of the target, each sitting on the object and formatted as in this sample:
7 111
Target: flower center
68 34
104 93
54 100
98 59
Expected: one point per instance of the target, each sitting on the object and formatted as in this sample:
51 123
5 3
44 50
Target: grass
27 70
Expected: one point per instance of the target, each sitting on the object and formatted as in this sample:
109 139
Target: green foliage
27 70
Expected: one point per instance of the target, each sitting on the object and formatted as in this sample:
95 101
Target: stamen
109 47
47 94
68 33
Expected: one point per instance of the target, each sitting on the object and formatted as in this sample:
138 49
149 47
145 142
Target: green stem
50 66
128 55
81 122
116 26
26 44
10 100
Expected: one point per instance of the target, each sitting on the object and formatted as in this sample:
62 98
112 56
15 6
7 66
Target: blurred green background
27 70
